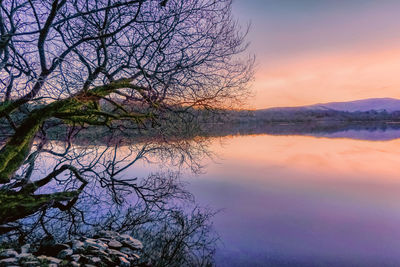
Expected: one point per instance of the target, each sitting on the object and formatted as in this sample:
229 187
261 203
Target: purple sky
311 51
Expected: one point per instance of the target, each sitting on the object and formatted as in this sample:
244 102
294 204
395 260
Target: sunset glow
329 77
317 51
310 155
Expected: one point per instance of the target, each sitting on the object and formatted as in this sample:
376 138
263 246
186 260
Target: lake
303 200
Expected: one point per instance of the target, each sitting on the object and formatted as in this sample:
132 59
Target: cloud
315 51
329 77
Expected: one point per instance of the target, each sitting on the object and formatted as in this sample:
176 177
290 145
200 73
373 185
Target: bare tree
71 65
69 56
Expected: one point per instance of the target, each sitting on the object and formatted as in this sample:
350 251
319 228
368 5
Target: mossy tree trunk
17 205
81 109
18 147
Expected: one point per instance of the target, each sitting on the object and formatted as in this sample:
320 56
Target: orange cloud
326 77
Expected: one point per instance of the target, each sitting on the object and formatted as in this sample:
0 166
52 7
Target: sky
317 51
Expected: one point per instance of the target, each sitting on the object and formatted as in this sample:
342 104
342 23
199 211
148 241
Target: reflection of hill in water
373 131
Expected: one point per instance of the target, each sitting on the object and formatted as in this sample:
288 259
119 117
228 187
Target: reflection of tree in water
100 193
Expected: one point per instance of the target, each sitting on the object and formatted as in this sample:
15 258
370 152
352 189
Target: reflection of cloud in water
303 153
378 135
284 206
300 200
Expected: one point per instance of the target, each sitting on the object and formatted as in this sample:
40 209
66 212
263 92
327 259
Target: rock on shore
107 248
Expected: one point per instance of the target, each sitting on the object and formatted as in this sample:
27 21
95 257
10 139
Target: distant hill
373 109
376 104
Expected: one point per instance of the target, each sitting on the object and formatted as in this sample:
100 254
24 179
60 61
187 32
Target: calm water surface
303 201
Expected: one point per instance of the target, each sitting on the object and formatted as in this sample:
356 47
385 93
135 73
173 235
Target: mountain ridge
362 105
